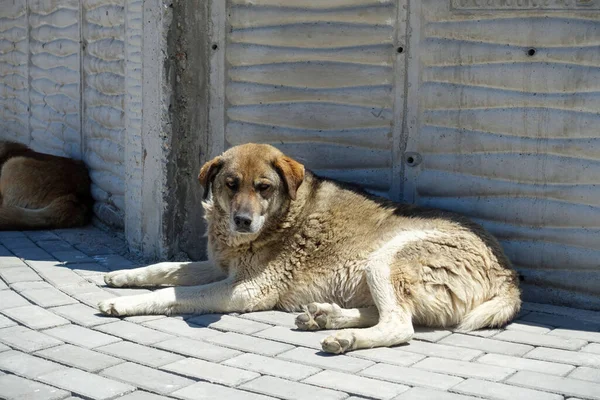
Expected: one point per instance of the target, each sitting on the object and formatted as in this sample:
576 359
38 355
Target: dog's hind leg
390 294
167 273
331 316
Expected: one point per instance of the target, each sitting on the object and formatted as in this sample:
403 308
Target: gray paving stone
536 339
49 297
566 357
59 276
319 359
114 262
82 315
411 376
140 354
250 344
3 347
389 356
94 249
18 243
440 350
11 262
99 280
88 269
484 333
586 374
35 317
141 395
551 383
289 390
86 384
527 326
32 254
209 391
80 336
52 246
464 369
214 373
181 328
3 285
38 236
590 348
79 357
576 313
418 393
576 334
26 365
299 338
271 366
141 319
279 318
430 335
25 339
356 385
10 299
16 388
80 287
71 256
19 274
499 391
22 286
487 345
4 252
11 234
561 321
147 378
5 322
198 349
228 323
526 364
93 298
135 333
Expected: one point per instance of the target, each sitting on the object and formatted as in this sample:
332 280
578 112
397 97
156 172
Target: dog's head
251 183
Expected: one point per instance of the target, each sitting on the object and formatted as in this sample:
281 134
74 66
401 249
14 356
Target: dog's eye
263 186
231 184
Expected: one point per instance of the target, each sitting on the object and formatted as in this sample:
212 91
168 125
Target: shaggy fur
282 238
41 191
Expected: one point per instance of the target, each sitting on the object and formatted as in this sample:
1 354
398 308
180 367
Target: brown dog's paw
339 343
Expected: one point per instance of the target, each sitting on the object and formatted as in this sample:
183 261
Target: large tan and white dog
281 238
42 191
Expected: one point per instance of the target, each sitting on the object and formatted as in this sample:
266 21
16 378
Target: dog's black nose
242 222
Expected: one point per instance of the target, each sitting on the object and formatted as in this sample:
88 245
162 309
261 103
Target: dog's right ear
208 173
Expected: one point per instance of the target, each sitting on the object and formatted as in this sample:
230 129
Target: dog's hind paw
318 316
339 343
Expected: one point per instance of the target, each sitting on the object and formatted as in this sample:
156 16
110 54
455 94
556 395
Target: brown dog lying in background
41 191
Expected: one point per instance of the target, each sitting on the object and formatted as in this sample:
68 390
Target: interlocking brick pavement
54 344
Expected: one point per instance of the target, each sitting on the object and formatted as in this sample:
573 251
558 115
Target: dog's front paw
111 307
117 279
339 343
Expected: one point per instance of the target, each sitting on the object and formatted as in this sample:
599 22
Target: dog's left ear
208 173
292 172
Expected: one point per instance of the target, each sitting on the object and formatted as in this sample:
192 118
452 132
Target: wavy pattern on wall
104 97
14 74
316 81
513 140
54 95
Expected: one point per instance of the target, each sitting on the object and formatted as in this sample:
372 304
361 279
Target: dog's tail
494 313
62 212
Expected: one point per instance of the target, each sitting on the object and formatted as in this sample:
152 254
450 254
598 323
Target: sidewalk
54 345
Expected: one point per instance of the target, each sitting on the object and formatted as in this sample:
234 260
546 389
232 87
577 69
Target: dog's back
41 191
